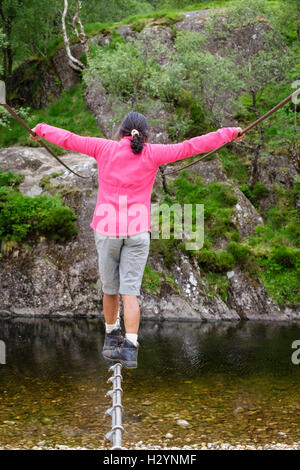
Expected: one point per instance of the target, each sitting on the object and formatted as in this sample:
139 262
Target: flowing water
232 382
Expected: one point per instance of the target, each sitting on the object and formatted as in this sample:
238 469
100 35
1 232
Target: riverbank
208 446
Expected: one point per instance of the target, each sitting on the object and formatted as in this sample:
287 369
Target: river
232 382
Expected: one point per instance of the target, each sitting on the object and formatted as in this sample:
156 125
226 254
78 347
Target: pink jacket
126 179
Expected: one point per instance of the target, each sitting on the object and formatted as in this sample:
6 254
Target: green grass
234 166
217 285
151 280
218 200
68 112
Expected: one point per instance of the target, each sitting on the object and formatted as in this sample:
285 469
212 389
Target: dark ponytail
137 143
137 123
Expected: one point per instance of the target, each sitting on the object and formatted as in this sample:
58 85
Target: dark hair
136 121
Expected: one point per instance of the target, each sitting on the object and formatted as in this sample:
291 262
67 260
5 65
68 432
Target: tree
8 13
258 53
73 62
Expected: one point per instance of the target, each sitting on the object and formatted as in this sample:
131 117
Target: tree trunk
164 182
255 158
81 34
74 63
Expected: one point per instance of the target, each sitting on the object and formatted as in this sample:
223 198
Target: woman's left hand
34 137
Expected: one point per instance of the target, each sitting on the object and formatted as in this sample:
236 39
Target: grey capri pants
122 261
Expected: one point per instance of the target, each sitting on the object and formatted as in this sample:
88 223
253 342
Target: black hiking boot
113 340
126 354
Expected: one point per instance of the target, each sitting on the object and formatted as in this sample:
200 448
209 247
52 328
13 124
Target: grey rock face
251 301
245 217
68 76
193 21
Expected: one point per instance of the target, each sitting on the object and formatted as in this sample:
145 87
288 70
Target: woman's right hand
240 137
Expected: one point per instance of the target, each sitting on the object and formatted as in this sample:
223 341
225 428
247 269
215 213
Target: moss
10 179
233 166
257 192
46 184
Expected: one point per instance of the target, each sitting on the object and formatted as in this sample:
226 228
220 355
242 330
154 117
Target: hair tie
134 132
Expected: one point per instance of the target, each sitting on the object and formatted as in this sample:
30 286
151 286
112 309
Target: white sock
132 337
110 328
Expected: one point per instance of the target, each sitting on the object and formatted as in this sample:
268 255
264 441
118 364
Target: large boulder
109 112
34 84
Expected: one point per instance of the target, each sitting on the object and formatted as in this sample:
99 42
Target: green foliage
115 10
280 274
151 280
10 179
254 194
205 74
121 71
259 190
218 200
239 252
233 166
162 17
282 287
216 261
23 216
283 256
180 125
275 249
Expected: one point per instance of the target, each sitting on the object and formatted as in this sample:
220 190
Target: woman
121 221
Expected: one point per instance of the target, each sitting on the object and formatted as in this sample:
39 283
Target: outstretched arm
163 154
68 140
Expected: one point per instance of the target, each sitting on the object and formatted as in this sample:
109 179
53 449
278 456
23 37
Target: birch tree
73 62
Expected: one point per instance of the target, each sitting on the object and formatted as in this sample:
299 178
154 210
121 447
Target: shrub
284 257
216 261
22 216
254 194
121 72
238 251
224 261
259 191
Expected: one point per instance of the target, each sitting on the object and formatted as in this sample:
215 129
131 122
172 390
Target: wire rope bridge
115 434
